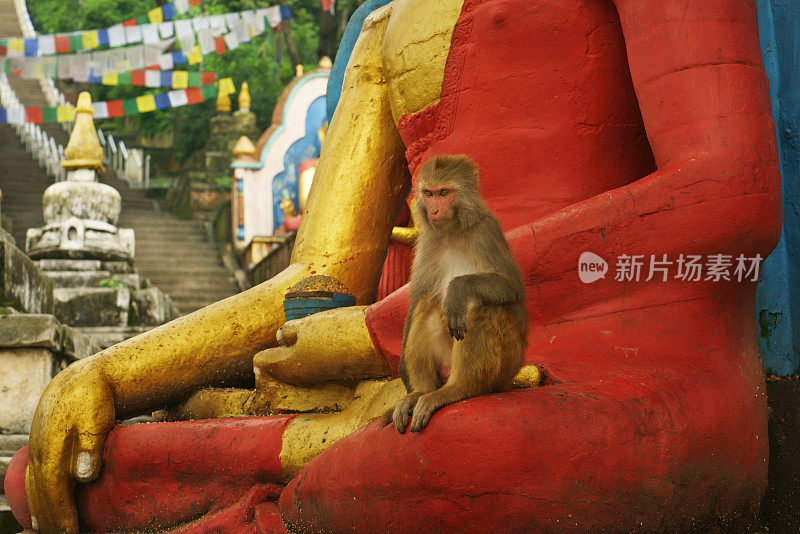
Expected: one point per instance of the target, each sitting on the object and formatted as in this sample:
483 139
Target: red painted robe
653 413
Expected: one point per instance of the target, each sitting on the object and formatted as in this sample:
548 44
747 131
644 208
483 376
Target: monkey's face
439 202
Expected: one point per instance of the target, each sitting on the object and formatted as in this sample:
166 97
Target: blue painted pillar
349 38
779 286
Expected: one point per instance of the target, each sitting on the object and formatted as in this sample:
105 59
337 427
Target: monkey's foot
402 412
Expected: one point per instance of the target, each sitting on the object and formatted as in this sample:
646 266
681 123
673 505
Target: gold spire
83 149
244 149
298 70
223 103
287 206
325 63
244 97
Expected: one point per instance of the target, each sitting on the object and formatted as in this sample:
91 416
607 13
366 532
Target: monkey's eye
427 192
444 192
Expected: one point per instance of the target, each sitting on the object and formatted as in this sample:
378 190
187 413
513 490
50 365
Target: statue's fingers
279 362
30 494
86 463
55 507
287 334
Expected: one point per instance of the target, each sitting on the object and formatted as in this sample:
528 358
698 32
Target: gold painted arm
350 212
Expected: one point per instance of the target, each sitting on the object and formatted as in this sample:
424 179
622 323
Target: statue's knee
15 487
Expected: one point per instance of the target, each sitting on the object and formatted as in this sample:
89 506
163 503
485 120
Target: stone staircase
174 254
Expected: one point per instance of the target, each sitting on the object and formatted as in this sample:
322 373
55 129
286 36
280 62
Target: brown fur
479 328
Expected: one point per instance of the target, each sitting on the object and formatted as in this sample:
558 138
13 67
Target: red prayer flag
194 3
207 77
115 108
137 78
62 44
129 22
33 115
194 95
219 46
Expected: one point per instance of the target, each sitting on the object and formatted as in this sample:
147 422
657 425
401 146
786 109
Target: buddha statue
625 128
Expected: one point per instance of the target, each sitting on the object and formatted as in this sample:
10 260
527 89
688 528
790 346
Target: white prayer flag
100 110
133 34
136 57
33 68
187 44
152 56
50 67
80 70
217 21
47 45
231 19
273 16
150 33
116 36
177 98
118 60
152 78
200 23
165 62
206 41
183 28
231 41
181 6
259 26
15 115
241 31
64 70
166 29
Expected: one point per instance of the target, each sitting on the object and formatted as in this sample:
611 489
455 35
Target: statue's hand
327 346
69 428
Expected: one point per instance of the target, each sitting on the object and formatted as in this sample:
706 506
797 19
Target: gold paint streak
528 377
308 435
415 52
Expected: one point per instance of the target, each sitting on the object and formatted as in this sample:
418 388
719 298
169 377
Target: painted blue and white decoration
292 140
301 150
779 285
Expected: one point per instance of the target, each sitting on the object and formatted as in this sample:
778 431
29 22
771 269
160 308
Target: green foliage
113 282
263 63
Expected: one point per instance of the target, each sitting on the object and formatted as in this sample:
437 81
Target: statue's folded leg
646 450
159 475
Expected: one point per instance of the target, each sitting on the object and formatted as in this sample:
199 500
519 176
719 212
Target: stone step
106 336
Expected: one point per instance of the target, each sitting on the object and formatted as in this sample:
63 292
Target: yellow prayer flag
90 39
180 79
146 103
111 79
17 45
195 57
155 15
65 113
226 87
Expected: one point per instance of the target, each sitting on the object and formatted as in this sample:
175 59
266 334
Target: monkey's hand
67 436
326 346
455 309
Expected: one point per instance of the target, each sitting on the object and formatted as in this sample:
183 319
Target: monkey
466 329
